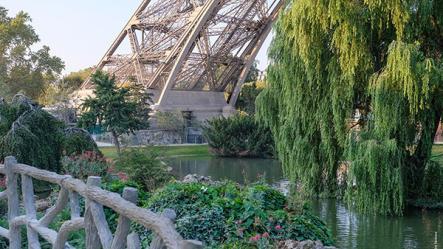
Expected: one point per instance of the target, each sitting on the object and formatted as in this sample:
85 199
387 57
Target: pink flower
278 227
255 238
265 235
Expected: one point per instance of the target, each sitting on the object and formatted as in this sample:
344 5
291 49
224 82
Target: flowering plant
89 163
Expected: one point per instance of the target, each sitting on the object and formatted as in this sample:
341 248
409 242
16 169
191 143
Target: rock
193 178
42 205
306 244
282 186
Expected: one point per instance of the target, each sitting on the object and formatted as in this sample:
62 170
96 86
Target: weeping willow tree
376 61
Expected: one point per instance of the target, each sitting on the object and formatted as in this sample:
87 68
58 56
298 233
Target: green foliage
117 186
37 138
205 225
144 167
171 121
222 216
76 141
234 244
119 110
74 80
247 97
22 69
379 59
30 134
61 90
83 165
266 198
309 227
379 166
253 73
432 188
227 214
240 136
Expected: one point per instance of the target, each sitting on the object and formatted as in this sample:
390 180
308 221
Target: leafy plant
227 214
77 141
144 167
205 225
117 186
86 164
309 227
120 110
240 136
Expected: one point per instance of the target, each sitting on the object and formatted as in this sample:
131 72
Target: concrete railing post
15 239
92 237
31 213
124 224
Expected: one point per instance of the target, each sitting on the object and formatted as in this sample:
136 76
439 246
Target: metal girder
190 45
252 52
197 26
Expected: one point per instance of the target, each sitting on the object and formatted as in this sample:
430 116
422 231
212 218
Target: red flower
3 182
278 227
122 176
265 235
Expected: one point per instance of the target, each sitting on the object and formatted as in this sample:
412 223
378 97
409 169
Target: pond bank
167 151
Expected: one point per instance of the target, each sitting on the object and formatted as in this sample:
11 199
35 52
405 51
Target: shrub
309 227
227 214
205 225
117 186
171 121
144 167
240 136
30 134
76 141
87 164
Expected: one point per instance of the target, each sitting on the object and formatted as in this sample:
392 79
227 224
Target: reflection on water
417 229
238 170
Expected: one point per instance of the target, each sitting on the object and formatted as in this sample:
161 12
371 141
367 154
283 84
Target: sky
80 31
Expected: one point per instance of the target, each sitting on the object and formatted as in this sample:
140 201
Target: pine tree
333 59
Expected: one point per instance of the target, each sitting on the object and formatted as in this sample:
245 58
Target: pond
416 229
238 170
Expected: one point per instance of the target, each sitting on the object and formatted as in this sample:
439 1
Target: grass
203 151
167 151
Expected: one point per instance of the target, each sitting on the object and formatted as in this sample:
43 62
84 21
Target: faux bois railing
98 234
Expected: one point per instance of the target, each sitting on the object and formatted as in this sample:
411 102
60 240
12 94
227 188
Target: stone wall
144 137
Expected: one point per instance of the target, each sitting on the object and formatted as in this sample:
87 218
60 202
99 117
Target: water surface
238 170
417 229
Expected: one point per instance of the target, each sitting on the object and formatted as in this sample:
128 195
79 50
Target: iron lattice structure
191 45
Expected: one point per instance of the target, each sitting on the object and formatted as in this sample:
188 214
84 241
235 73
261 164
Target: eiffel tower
193 55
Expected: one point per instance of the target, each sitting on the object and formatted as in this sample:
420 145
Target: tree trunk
117 143
417 162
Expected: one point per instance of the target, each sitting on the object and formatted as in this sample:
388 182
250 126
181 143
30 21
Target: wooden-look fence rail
98 233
